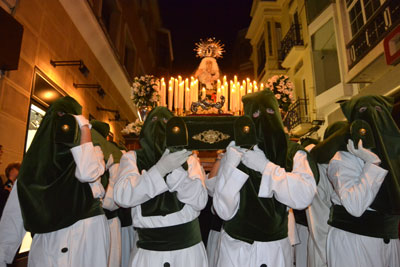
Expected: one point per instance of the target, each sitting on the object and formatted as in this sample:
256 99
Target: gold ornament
209 48
246 129
210 136
65 128
176 130
362 131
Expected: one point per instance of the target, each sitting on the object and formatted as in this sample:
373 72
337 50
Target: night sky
192 20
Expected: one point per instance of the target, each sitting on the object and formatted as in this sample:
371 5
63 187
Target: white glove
255 159
233 154
82 121
363 153
170 161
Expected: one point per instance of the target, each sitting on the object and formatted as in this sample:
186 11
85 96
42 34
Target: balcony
292 46
297 119
386 18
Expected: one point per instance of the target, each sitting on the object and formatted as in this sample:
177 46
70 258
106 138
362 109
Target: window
269 38
359 12
129 55
261 56
325 58
315 7
111 18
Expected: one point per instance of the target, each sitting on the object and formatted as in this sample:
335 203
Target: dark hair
15 165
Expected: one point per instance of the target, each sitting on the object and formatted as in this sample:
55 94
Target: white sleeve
108 201
189 184
132 188
354 182
227 191
210 185
295 189
89 162
11 228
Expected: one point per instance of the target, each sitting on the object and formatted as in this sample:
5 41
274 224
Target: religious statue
208 72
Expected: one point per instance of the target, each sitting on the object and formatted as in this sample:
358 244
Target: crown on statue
209 48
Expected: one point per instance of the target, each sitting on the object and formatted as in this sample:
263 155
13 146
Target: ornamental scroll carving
210 136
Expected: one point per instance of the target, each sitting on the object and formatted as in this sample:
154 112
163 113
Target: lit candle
248 86
163 95
195 91
242 93
261 87
176 95
187 99
235 79
203 93
181 95
170 97
218 94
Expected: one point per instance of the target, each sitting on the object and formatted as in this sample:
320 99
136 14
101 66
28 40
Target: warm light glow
49 95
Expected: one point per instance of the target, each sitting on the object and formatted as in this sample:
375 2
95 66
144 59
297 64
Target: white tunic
85 243
295 189
133 189
114 223
355 187
317 218
213 242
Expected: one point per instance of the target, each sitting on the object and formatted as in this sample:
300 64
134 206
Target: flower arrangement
282 88
133 127
145 91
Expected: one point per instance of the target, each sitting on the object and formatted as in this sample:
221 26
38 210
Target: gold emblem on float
362 131
176 130
210 136
65 128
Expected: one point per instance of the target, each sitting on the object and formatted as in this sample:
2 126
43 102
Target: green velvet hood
100 131
376 111
153 143
152 138
50 195
263 108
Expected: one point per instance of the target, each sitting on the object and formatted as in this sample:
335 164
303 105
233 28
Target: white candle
170 97
203 93
181 95
187 99
162 92
176 95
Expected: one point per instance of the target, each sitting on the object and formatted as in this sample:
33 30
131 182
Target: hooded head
152 138
376 111
263 108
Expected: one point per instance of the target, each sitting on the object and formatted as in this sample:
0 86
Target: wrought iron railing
292 38
297 114
371 33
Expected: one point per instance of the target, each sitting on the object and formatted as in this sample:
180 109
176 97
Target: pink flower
277 96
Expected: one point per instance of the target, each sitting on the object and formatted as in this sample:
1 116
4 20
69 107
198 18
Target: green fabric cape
376 110
336 137
50 195
152 141
264 219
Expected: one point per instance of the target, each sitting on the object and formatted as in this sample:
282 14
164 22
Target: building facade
332 50
107 42
279 35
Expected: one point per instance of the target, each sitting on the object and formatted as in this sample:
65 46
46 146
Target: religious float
207 105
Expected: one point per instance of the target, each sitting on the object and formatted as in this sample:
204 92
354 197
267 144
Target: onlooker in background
11 174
